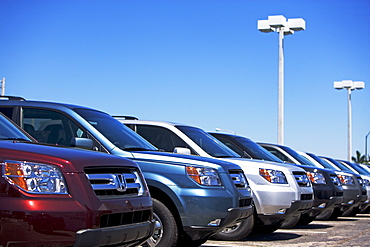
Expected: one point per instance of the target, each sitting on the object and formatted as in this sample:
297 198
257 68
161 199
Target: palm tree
360 159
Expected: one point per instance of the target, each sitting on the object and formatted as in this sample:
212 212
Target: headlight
204 176
366 182
316 177
361 182
335 180
273 176
344 179
34 177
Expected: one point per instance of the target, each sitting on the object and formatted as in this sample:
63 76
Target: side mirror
85 143
179 150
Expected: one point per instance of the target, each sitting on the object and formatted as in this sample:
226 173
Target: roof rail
4 97
127 117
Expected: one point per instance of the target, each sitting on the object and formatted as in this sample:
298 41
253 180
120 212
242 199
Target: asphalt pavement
345 231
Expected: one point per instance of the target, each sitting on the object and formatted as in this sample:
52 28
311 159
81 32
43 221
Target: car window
161 138
230 144
278 154
7 111
10 131
51 127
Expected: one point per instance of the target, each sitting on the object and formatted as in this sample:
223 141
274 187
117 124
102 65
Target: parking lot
345 231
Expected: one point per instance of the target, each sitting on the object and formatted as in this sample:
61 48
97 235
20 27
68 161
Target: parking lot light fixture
283 26
349 85
366 156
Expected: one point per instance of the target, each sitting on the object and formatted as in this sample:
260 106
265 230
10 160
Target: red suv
56 196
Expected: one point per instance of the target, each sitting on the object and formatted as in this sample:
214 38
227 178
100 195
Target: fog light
215 222
281 211
322 205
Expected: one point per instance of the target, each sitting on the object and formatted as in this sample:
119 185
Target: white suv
281 192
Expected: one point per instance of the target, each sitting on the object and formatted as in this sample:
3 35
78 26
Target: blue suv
193 197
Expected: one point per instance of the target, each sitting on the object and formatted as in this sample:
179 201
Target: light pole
366 158
278 23
349 85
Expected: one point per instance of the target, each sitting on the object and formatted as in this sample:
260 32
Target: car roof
151 122
18 101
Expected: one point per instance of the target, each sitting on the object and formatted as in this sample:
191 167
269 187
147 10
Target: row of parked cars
76 176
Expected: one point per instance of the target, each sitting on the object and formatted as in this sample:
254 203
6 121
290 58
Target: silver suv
280 192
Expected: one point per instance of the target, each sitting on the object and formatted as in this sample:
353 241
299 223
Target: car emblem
121 182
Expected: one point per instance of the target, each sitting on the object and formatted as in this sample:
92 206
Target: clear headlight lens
204 176
361 182
273 176
316 177
335 180
34 177
366 182
344 179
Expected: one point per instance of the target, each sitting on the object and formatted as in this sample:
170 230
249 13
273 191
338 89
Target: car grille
306 197
115 181
108 220
245 202
239 179
339 193
302 179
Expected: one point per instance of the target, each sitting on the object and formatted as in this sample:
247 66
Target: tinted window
7 111
116 132
9 131
208 143
50 126
161 138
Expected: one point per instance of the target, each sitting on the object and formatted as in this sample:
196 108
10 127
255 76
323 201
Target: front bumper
297 208
233 215
126 235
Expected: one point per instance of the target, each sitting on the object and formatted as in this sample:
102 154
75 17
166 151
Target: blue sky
199 62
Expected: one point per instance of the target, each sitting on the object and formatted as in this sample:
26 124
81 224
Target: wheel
347 212
326 215
291 222
165 233
337 212
355 211
238 231
306 220
365 210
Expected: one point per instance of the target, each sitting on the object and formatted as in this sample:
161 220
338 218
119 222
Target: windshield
115 131
302 160
324 163
208 143
256 151
9 131
339 165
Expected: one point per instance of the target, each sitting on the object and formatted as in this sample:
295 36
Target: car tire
291 222
326 215
165 232
347 212
238 231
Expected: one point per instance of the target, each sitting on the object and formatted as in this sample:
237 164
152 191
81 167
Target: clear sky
199 62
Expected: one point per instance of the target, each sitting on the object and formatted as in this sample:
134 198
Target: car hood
245 163
180 159
68 159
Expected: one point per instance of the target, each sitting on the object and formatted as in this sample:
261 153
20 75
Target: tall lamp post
278 23
349 85
366 157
